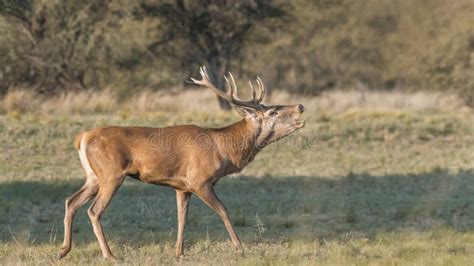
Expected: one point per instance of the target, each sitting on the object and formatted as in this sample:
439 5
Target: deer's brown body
188 158
168 156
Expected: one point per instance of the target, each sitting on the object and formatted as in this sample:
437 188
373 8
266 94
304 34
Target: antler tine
204 77
234 86
231 91
203 72
234 94
254 93
262 89
206 82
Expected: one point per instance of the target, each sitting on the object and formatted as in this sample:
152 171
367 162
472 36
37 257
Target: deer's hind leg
72 205
97 208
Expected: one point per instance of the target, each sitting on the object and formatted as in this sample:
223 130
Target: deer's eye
273 113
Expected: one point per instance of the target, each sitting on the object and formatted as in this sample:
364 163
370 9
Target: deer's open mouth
299 123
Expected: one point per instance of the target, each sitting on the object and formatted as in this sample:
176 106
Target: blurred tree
16 12
58 51
129 45
210 32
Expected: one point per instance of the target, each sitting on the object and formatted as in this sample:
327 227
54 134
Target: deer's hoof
63 252
241 252
112 258
180 258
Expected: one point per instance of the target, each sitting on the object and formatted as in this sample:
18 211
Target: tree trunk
217 70
223 104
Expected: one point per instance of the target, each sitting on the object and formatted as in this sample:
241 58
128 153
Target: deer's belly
165 174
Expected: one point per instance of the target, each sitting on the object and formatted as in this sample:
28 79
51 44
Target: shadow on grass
298 208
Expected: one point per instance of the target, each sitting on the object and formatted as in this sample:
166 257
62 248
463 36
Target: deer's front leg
182 202
209 197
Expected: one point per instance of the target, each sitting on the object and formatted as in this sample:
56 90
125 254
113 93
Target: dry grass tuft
198 100
20 101
81 102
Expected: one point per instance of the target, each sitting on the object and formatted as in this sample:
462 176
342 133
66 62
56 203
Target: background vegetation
304 46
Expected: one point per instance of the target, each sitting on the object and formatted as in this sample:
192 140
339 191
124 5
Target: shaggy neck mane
238 142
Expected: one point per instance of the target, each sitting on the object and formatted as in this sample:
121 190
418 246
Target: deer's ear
245 111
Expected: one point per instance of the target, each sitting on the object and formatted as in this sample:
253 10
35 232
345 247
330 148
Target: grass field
358 186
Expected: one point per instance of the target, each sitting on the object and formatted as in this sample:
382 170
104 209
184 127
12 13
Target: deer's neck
238 143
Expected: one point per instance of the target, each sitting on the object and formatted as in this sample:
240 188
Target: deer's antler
231 94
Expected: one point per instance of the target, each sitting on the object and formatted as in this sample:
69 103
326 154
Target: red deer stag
160 156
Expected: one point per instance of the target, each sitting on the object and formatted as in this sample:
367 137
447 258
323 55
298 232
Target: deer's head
272 122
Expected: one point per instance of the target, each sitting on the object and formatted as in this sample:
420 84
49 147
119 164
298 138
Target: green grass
361 187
